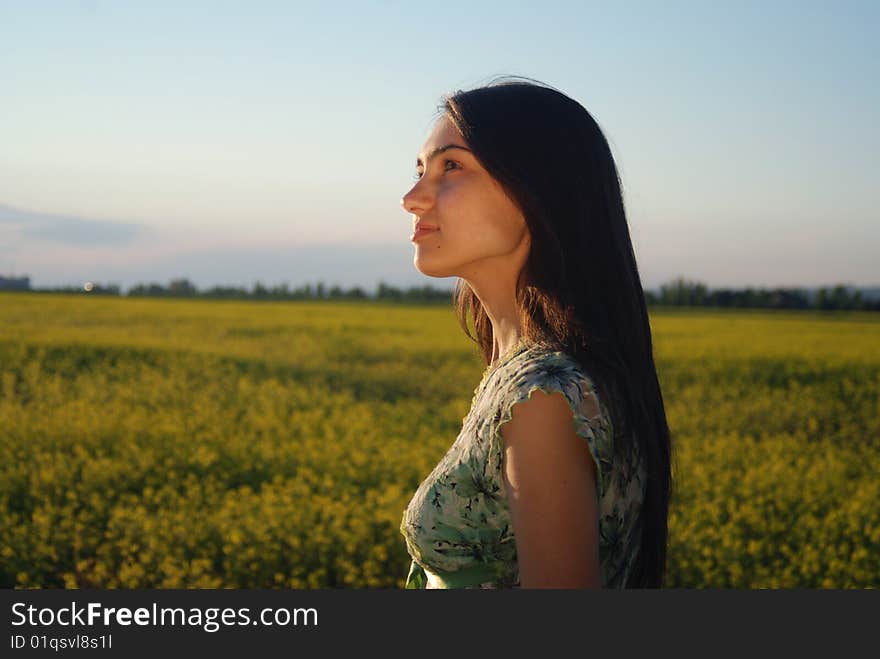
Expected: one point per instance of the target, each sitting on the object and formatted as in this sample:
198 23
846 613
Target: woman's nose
417 200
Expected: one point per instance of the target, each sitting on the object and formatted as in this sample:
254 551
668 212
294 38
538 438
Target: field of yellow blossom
148 443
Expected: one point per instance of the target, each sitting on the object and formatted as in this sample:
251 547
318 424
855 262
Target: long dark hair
580 287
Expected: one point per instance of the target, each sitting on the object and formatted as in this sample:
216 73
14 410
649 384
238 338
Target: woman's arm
551 485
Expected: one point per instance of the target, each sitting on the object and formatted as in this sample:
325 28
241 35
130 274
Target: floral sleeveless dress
457 526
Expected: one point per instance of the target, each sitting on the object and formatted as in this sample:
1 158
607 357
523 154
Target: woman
560 477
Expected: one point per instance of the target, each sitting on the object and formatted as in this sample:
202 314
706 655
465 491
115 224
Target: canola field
149 443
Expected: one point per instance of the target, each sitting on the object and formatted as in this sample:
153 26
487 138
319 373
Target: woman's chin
429 269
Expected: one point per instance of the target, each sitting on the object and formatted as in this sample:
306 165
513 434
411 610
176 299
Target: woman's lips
422 231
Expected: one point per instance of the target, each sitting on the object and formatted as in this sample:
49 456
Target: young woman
560 477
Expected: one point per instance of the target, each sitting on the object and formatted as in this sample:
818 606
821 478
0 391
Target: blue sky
230 142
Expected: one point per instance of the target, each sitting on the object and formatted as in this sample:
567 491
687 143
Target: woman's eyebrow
441 149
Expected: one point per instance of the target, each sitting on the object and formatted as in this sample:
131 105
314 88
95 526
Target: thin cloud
68 229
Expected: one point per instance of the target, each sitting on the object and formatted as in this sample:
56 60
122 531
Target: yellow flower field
148 443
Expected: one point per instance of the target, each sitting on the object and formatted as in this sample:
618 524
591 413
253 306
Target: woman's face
480 231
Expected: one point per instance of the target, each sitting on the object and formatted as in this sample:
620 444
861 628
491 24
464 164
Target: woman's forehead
443 130
443 136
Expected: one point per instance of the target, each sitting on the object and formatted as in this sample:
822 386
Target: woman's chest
464 481
459 515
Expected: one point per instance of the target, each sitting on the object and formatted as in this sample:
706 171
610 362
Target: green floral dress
457 526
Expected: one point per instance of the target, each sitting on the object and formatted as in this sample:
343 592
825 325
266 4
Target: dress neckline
512 352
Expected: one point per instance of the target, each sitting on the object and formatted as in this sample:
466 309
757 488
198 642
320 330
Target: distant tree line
182 288
683 293
677 293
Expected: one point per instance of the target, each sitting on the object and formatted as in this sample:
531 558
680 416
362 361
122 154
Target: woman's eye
418 175
449 162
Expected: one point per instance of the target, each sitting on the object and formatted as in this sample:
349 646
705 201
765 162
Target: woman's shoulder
544 362
551 368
